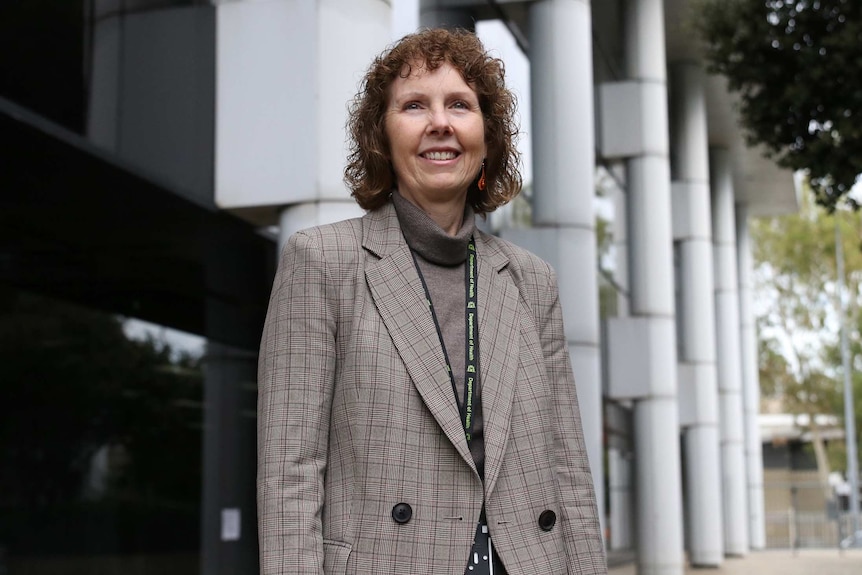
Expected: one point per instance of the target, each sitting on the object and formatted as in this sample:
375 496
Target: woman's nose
439 122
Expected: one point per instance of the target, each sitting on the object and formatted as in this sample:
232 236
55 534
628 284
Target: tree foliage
798 319
797 69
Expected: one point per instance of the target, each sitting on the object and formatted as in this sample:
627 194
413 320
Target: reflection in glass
100 444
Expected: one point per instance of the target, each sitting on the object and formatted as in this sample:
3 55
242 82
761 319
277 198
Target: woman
415 388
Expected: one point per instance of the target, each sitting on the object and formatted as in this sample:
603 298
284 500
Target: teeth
440 155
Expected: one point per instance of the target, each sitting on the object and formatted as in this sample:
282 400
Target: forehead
416 76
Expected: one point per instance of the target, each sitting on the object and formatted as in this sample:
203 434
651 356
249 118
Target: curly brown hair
369 170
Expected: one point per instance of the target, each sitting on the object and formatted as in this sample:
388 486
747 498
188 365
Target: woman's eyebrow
418 95
415 95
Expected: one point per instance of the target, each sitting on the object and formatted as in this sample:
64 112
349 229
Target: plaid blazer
363 467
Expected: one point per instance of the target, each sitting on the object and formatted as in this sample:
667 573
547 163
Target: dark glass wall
100 445
42 58
106 201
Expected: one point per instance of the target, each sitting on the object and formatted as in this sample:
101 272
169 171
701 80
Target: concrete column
656 409
734 478
621 499
229 518
284 77
564 187
750 383
696 315
437 13
621 251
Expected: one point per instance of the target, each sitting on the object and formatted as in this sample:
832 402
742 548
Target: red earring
481 184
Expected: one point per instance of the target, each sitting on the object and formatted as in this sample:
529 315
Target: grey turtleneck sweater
441 259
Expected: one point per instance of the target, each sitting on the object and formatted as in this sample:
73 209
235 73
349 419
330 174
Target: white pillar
284 77
621 251
651 276
734 478
561 71
621 499
750 383
696 310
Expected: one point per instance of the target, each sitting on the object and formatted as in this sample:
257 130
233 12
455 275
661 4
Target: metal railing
807 519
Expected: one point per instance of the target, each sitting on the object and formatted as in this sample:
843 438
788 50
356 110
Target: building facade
159 151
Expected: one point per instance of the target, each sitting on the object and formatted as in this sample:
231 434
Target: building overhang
783 427
77 224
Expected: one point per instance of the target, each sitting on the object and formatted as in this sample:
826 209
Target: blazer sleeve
579 521
296 372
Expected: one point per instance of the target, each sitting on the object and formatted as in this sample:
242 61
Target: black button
402 513
547 520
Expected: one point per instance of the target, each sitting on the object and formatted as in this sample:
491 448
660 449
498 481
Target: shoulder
328 252
334 243
329 236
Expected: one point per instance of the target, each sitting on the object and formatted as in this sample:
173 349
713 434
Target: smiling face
436 135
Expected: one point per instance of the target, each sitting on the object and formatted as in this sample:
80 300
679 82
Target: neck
448 214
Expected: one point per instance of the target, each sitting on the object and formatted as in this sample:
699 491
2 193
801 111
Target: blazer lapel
401 301
499 348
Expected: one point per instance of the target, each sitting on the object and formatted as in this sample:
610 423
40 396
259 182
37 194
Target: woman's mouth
440 155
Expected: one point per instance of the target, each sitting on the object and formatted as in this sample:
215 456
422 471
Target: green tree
795 275
796 66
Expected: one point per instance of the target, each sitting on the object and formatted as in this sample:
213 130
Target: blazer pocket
335 556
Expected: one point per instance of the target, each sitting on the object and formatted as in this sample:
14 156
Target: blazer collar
397 292
381 232
400 299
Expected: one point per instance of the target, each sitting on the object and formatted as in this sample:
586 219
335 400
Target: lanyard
480 561
471 355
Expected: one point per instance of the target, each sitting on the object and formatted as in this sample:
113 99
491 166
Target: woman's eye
461 105
411 106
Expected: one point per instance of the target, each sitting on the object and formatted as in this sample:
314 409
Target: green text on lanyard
471 357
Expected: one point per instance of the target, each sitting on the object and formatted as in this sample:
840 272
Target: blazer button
547 520
402 513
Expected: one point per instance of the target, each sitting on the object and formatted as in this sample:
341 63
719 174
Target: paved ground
804 562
